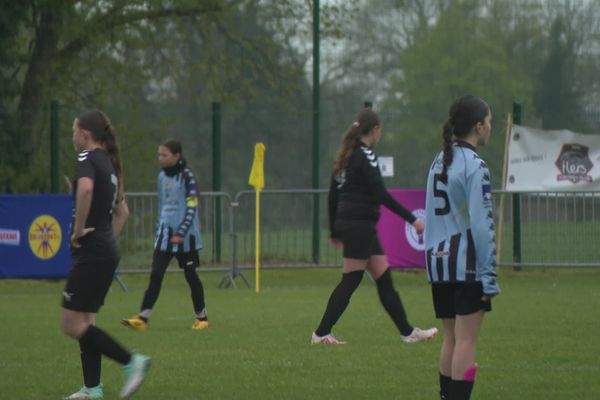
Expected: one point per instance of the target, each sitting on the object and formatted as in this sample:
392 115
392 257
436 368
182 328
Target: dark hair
464 113
173 145
364 121
98 124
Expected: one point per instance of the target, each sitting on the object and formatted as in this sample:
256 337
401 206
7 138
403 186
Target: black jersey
357 192
101 242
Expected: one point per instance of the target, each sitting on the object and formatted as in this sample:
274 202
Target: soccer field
541 340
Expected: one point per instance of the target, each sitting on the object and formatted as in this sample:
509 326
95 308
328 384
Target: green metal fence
556 230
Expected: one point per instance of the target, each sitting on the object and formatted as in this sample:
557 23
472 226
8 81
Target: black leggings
160 262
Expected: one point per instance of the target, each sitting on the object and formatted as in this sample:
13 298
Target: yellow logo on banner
45 237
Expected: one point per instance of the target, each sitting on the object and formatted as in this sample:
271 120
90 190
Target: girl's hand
419 226
337 243
76 235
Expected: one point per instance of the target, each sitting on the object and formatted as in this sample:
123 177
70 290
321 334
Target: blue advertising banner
34 235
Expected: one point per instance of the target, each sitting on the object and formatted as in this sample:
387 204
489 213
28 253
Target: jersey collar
462 143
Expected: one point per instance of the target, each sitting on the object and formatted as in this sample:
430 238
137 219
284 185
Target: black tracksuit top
357 192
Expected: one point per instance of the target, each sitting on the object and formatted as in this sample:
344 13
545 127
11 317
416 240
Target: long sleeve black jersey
357 192
100 243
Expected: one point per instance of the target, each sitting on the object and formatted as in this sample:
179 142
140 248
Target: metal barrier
137 238
554 229
285 231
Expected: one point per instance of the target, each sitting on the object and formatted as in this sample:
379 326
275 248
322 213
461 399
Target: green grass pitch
540 342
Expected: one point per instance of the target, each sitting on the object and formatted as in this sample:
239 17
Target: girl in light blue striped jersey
460 242
177 234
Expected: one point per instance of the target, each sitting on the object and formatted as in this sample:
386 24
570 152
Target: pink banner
401 244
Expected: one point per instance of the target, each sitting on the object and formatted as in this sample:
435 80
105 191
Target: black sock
461 390
338 301
91 364
445 382
97 339
197 292
390 299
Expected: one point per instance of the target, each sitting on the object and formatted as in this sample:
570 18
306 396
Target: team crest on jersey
415 240
574 163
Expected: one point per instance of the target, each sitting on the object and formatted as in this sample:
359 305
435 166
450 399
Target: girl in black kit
99 215
356 192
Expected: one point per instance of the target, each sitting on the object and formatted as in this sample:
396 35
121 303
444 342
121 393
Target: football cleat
135 323
419 335
135 371
93 393
327 339
200 324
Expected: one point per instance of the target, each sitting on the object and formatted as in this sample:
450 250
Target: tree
459 53
556 99
567 95
154 56
58 33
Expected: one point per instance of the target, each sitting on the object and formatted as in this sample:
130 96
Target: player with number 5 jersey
460 242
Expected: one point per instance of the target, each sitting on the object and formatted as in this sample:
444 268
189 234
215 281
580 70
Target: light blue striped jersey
460 238
177 211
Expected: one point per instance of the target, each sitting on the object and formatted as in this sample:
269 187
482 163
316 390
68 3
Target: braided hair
464 113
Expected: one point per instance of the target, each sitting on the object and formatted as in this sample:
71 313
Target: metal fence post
216 179
54 141
229 279
516 204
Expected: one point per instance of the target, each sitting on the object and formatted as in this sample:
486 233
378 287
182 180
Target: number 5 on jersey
441 194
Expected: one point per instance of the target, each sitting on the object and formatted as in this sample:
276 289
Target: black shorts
88 283
458 298
359 238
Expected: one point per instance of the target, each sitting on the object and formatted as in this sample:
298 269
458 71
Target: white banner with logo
552 160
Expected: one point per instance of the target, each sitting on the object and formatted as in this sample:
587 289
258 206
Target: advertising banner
34 236
558 160
401 244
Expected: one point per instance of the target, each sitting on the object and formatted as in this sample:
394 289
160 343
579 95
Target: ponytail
364 121
98 124
447 135
350 140
465 112
110 144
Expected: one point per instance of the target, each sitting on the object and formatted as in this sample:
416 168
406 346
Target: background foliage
156 66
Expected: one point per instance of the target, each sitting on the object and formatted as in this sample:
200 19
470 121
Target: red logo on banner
574 163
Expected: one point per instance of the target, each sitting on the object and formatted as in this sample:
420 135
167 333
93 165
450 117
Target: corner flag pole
257 180
509 123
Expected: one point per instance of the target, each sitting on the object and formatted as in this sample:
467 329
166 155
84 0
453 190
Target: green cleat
134 374
93 393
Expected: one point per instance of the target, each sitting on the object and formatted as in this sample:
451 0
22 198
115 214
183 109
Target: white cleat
327 339
420 335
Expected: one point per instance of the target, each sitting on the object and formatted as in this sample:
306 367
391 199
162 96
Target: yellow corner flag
257 179
257 173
